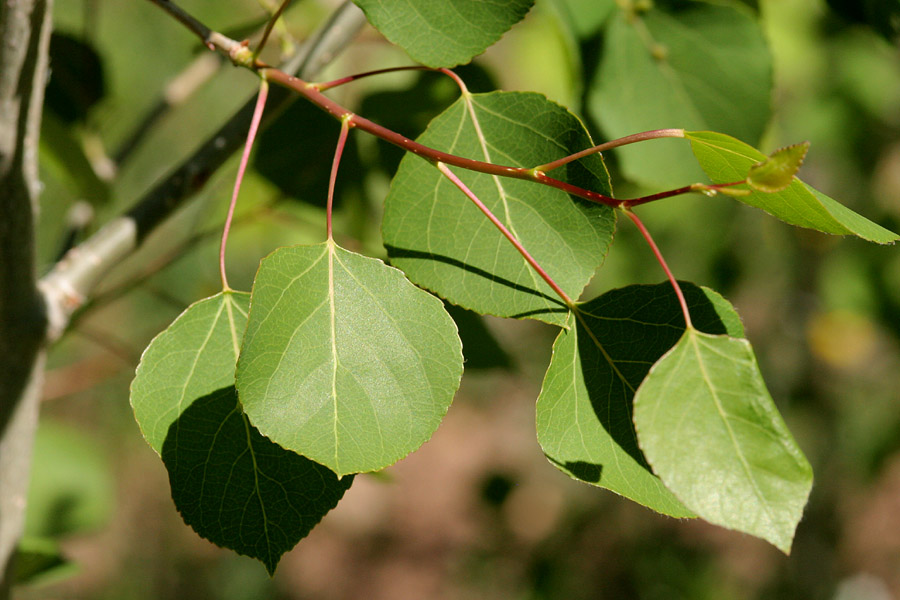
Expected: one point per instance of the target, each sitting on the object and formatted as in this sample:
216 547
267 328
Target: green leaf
777 171
344 360
445 33
445 244
584 410
711 432
193 358
40 561
240 490
71 488
726 159
693 65
586 16
232 485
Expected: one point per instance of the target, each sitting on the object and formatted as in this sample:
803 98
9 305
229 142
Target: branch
313 93
25 34
68 285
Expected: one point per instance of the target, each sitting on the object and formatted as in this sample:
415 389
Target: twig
332 180
245 158
506 233
177 90
665 267
68 285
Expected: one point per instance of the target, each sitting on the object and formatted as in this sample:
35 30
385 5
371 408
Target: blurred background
478 512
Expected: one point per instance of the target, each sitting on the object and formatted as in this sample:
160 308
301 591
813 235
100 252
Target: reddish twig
624 141
662 262
339 151
245 158
506 233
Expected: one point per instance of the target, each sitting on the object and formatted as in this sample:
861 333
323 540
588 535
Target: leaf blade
183 398
712 433
344 360
695 65
445 244
584 412
727 159
463 28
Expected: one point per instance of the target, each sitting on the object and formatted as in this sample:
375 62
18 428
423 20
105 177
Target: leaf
481 349
71 489
445 33
39 561
584 410
192 358
711 432
77 82
692 65
777 171
240 490
232 485
726 159
587 16
345 361
445 244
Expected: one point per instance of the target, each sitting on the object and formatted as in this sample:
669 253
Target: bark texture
25 34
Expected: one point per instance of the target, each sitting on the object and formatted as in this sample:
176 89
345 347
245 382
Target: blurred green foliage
822 312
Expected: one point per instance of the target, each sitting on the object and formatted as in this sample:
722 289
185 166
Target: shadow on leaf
404 253
621 334
239 490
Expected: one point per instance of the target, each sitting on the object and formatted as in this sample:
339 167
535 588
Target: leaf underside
445 33
584 410
710 430
344 360
445 244
232 485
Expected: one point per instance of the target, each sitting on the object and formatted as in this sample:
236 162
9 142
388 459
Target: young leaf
344 360
777 171
711 432
584 410
444 33
695 65
445 244
232 485
726 159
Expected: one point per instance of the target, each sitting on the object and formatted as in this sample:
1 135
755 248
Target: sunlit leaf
193 358
344 360
445 244
692 65
232 485
584 411
777 171
726 159
711 432
447 32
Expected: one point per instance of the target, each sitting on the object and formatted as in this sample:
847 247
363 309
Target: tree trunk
24 39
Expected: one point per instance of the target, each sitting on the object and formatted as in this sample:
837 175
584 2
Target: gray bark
34 314
25 34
